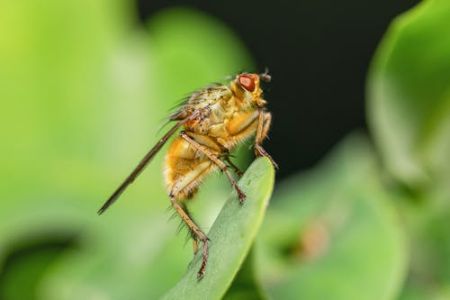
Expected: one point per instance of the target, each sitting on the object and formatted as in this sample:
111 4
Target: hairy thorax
227 119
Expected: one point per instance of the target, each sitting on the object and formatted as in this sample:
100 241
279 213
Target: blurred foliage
341 235
84 94
409 95
409 110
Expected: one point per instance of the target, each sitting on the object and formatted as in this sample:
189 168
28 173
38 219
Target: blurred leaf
427 225
232 235
141 243
191 50
22 273
83 102
409 94
333 231
409 110
413 292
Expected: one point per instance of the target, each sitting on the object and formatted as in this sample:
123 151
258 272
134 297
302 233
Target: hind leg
182 187
197 234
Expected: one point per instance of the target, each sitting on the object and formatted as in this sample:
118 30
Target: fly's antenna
265 76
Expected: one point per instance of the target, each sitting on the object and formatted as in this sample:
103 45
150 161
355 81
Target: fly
214 120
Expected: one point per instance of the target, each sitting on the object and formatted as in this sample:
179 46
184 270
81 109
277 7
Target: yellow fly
214 121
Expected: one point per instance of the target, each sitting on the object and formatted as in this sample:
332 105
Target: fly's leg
195 240
260 151
233 166
183 187
213 157
197 234
264 121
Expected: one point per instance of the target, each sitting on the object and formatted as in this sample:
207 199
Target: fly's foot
259 152
241 194
205 252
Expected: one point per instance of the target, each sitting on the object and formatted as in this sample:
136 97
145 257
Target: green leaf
409 95
333 231
409 113
27 271
232 235
427 224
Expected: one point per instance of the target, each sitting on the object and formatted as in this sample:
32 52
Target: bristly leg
191 233
197 233
182 225
259 151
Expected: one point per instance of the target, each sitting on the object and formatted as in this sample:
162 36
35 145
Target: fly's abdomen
185 169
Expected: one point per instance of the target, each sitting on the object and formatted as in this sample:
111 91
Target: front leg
264 121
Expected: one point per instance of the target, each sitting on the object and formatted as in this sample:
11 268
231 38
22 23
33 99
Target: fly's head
247 86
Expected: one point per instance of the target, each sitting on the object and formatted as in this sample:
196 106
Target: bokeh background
360 97
318 52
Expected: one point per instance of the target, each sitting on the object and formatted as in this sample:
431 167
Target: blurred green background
84 92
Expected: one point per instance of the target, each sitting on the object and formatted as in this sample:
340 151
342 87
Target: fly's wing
199 99
140 167
197 106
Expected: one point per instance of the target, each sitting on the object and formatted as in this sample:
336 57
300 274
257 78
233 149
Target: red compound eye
247 81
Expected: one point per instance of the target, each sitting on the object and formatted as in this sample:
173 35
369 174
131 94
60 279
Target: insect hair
181 226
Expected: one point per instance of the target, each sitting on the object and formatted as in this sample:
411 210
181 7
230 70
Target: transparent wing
192 101
140 167
191 108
